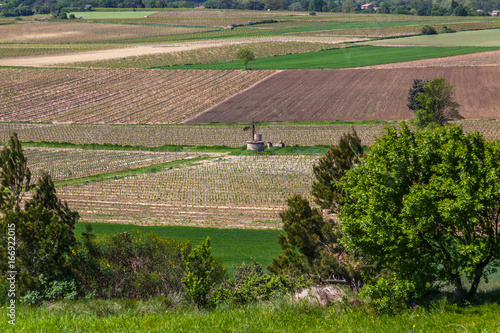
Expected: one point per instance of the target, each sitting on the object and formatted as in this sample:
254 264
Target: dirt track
59 59
354 94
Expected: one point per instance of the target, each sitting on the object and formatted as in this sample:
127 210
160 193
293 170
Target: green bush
132 265
447 30
203 273
252 285
428 30
54 291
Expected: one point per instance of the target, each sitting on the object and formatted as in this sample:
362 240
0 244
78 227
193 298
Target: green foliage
252 285
311 247
55 290
332 167
132 265
425 205
436 104
416 89
203 273
311 243
245 55
428 30
44 236
447 30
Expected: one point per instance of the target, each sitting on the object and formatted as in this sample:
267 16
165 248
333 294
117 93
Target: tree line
408 7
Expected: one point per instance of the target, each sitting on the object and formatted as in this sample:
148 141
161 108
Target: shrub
252 285
203 273
132 265
428 30
447 30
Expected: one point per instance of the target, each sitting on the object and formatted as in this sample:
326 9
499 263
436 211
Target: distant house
368 6
495 13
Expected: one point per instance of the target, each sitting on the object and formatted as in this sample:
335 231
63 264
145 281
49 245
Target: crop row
112 96
255 185
76 163
280 46
233 136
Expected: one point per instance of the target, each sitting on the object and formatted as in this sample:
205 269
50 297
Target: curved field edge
356 56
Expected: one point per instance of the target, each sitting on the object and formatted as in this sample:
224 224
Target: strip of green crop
232 246
357 56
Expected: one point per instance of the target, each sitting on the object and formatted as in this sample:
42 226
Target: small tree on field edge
246 55
433 103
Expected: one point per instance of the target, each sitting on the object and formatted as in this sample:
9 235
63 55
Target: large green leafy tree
427 206
435 103
43 229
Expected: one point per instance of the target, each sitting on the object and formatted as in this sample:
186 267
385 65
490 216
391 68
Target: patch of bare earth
354 95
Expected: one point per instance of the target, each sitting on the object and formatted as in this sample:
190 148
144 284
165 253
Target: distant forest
58 8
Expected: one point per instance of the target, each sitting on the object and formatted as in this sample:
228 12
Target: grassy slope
489 38
344 58
233 246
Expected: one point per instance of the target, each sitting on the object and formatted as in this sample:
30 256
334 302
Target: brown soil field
354 95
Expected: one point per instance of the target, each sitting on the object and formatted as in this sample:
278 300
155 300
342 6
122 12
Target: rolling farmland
130 101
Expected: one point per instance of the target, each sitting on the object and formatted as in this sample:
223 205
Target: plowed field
354 94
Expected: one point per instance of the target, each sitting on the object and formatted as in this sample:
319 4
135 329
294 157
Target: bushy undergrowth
131 265
251 284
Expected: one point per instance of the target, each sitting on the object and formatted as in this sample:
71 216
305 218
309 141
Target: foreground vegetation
158 315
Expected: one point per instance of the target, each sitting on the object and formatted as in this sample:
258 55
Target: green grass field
485 38
233 246
98 15
343 58
276 316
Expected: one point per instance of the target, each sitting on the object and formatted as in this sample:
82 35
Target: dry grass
75 32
